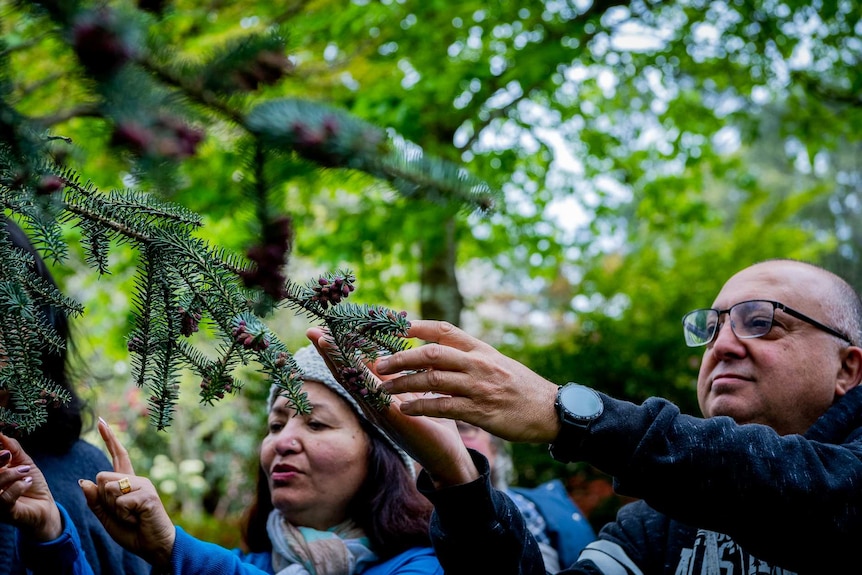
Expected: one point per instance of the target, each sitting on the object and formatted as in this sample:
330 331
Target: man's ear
850 374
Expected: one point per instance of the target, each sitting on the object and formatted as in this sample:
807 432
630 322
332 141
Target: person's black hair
64 423
388 508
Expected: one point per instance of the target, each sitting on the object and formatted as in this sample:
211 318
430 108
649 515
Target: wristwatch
577 407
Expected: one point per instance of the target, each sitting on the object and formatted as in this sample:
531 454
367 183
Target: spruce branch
151 102
164 381
332 138
80 111
182 281
245 64
22 340
360 333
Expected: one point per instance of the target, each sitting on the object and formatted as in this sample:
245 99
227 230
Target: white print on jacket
712 554
717 554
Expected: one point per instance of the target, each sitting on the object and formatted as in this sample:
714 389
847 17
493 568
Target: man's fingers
442 332
424 358
438 382
432 406
119 455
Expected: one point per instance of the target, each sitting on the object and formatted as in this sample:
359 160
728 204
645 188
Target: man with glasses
769 481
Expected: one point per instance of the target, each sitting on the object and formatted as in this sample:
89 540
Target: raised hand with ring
138 522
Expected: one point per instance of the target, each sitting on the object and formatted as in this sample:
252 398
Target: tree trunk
440 297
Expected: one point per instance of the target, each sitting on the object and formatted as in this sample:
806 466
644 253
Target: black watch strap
565 448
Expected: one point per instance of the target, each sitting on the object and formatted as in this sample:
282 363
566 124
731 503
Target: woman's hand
129 506
25 500
434 443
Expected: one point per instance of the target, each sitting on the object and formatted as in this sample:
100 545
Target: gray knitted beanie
314 368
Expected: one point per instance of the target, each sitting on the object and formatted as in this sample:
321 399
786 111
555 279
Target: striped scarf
341 550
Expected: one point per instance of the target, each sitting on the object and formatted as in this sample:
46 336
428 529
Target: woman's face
478 439
315 463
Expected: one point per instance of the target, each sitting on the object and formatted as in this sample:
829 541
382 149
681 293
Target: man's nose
726 340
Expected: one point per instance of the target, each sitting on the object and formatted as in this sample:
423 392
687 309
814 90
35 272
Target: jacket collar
840 421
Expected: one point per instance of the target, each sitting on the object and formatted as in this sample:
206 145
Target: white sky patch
567 213
330 53
503 97
411 76
506 135
607 81
728 105
564 160
249 22
518 198
655 80
821 164
612 188
129 180
633 36
349 81
706 33
577 73
727 140
760 95
801 57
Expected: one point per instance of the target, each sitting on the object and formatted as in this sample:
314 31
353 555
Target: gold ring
125 486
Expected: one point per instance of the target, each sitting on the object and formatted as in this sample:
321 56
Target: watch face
581 401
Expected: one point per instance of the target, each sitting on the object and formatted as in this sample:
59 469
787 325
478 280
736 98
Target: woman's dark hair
387 507
64 423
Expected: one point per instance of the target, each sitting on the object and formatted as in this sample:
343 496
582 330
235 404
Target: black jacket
789 504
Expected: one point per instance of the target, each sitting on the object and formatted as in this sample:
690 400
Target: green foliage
26 334
151 102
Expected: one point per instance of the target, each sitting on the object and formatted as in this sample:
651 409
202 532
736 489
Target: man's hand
473 382
434 443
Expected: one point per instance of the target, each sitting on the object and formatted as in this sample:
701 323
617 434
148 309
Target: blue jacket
566 527
194 557
63 556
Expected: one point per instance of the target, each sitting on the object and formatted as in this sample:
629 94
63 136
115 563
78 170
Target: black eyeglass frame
775 305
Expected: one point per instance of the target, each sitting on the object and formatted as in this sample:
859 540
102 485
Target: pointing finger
119 455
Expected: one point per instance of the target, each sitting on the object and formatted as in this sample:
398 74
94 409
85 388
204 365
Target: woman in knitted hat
335 497
333 474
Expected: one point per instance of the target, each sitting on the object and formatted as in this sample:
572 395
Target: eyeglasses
748 319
